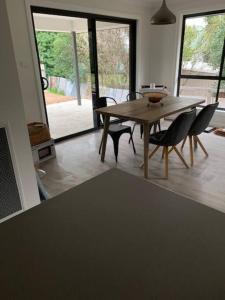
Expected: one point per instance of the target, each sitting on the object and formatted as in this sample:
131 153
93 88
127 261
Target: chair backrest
134 96
203 119
102 102
179 129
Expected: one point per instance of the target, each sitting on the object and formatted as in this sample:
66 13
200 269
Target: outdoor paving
68 117
52 98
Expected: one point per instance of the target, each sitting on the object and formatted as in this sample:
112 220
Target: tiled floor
78 160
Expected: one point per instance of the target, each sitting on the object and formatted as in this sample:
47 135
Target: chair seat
157 138
113 128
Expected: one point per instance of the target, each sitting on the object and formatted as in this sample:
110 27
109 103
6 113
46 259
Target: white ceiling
174 3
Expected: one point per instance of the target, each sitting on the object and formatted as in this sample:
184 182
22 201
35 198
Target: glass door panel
199 88
221 97
113 55
63 48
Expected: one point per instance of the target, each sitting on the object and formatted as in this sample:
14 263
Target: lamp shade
163 16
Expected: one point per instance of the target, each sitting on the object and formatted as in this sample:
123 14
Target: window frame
219 77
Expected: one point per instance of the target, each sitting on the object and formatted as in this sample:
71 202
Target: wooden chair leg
153 152
166 162
181 157
191 150
150 155
195 142
163 153
201 145
169 151
184 141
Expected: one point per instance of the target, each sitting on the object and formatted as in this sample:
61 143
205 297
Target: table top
114 237
140 110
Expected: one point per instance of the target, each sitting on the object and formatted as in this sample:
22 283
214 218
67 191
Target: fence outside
69 89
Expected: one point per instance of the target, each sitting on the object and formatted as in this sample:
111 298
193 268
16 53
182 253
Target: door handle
44 83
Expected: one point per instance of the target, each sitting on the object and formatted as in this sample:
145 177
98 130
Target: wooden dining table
143 112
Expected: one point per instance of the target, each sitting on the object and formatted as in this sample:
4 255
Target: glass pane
201 89
203 45
221 98
113 59
64 56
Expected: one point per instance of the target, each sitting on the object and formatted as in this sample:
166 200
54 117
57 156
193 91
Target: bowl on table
155 97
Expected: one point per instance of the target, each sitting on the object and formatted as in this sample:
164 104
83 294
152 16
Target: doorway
82 57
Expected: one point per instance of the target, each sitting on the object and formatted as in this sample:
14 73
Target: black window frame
219 77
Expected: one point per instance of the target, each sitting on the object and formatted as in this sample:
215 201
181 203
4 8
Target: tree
214 36
113 57
190 49
45 41
57 54
63 56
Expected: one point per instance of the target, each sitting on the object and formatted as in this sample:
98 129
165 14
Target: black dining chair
136 96
115 130
171 137
199 125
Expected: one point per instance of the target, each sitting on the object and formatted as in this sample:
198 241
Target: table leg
104 137
146 148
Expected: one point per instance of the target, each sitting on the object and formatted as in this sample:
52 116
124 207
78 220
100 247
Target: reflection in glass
201 89
221 98
113 48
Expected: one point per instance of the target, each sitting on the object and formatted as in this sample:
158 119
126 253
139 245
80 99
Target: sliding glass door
82 57
63 48
201 71
113 48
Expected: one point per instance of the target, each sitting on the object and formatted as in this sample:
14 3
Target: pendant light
163 16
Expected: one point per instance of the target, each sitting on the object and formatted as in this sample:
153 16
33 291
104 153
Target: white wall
24 44
12 114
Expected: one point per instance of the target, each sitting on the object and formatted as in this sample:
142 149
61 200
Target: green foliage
214 35
56 53
205 43
45 41
113 57
54 90
63 55
192 41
